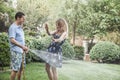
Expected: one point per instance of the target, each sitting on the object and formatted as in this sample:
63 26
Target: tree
36 12
71 12
6 15
99 18
93 18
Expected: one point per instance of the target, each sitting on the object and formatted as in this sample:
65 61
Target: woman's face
59 25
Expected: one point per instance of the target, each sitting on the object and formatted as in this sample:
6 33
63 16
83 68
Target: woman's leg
55 76
50 75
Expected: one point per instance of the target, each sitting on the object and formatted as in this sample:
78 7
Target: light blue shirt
17 33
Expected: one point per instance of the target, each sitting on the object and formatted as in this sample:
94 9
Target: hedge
106 52
43 43
32 43
4 50
79 52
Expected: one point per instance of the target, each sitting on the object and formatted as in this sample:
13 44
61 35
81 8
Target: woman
59 36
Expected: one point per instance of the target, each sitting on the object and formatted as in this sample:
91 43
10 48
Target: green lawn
72 70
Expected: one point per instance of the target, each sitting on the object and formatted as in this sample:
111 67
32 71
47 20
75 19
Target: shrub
4 50
105 52
32 43
43 43
38 44
79 52
68 50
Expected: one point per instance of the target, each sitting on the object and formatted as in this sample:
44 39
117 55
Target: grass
72 70
79 70
34 71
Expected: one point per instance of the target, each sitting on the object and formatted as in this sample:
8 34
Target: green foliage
40 43
112 37
6 16
79 52
6 9
4 50
105 52
36 11
92 17
43 43
68 50
40 11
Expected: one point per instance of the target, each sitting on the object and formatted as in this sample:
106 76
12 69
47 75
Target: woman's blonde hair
63 25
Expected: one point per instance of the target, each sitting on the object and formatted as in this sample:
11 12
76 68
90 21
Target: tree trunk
75 22
90 45
74 30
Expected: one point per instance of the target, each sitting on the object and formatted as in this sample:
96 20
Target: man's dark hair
19 15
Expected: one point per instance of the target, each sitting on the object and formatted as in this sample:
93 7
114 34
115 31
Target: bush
68 50
105 52
38 44
43 43
79 52
4 50
32 43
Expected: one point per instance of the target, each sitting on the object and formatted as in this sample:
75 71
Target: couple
18 48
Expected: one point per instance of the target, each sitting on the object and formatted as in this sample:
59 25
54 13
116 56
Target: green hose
23 68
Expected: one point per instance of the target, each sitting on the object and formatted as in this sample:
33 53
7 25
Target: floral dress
53 55
55 48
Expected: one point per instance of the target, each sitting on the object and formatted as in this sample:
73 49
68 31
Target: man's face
21 20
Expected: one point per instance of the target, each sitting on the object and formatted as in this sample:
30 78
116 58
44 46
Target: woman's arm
47 30
63 36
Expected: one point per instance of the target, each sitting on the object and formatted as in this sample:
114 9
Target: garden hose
23 68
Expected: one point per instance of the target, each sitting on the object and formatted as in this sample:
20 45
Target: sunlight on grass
79 70
34 71
72 70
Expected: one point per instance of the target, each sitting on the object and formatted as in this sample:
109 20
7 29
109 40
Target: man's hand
25 48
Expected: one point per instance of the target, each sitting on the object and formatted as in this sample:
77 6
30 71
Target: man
17 45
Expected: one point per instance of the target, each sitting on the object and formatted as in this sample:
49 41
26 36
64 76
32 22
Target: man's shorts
16 60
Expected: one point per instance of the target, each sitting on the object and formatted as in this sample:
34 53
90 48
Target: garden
96 22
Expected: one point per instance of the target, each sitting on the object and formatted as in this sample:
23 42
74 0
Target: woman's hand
46 26
47 29
55 40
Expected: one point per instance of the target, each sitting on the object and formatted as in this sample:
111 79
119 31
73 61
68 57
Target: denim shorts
16 60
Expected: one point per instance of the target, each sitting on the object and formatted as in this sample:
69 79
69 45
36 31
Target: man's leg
19 74
15 65
13 75
21 67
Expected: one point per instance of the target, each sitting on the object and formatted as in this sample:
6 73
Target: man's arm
12 34
12 40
